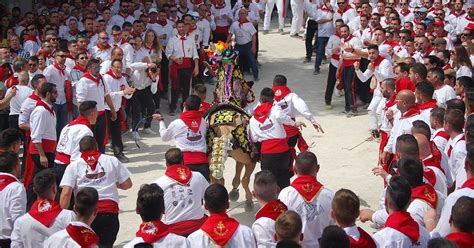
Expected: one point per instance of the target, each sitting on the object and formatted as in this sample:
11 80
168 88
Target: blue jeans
322 41
61 117
246 51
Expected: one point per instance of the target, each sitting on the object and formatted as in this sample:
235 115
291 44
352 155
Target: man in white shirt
400 230
102 50
443 92
323 16
309 198
456 146
424 49
79 233
23 91
439 136
105 174
12 195
123 15
183 194
45 216
222 13
150 207
424 93
219 229
266 192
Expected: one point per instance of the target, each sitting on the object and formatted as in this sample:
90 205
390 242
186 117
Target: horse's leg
249 168
234 194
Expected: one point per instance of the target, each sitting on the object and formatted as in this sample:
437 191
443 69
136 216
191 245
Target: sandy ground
340 167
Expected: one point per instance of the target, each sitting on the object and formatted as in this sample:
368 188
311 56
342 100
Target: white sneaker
149 131
136 136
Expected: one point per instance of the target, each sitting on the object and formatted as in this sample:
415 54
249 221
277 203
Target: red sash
262 112
179 173
84 236
469 183
108 206
49 146
425 193
280 92
308 187
404 223
45 211
220 228
428 105
222 30
174 67
5 180
152 231
272 146
365 240
462 239
186 227
192 119
271 210
194 158
91 157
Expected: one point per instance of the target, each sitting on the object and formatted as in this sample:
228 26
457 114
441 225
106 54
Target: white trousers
268 13
297 10
372 109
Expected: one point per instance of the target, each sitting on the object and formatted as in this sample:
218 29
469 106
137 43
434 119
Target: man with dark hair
10 140
462 84
266 127
104 173
313 203
456 146
418 73
79 233
189 133
229 232
397 200
443 92
439 136
424 97
266 192
183 194
91 87
12 195
388 90
456 103
288 228
432 61
30 103
150 207
334 237
462 222
45 217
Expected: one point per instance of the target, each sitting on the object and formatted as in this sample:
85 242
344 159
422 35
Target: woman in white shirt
461 61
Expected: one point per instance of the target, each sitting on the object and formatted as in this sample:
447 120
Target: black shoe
316 72
122 158
306 60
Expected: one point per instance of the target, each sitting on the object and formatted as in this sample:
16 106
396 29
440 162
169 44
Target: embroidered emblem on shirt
220 230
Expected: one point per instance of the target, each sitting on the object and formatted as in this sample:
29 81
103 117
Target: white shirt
219 15
31 46
346 16
62 238
28 232
355 43
243 33
42 125
114 86
54 76
119 20
458 153
13 198
101 54
440 141
264 231
315 215
139 75
271 128
204 31
463 22
174 48
69 140
443 95
185 138
326 29
160 30
463 71
400 126
391 238
25 111
141 54
109 172
291 104
22 92
333 42
88 90
128 53
383 71
169 241
243 237
183 202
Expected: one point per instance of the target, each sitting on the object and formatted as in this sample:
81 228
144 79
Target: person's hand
336 50
389 114
346 47
157 117
128 91
44 161
379 171
300 124
113 115
318 127
371 67
357 65
366 215
195 71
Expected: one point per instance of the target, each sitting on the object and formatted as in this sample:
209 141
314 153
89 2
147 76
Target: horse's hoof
248 206
234 195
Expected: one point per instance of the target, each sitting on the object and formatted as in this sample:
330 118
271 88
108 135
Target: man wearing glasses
31 44
58 75
405 14
102 50
345 12
123 15
15 47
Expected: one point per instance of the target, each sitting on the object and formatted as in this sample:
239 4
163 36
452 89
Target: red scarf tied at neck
192 119
281 92
262 112
152 231
91 157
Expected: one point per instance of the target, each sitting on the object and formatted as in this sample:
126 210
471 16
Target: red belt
349 62
108 206
100 113
222 30
195 158
335 56
49 146
275 146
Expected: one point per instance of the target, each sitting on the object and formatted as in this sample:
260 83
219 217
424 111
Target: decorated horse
227 120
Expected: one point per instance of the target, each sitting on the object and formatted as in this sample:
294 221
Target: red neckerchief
433 162
57 66
425 193
280 92
122 41
81 120
450 149
348 38
91 34
428 51
459 14
35 97
377 61
429 175
390 102
308 187
74 33
92 78
220 228
196 2
404 223
192 119
447 67
45 211
77 66
443 134
325 8
152 231
219 6
262 112
179 173
410 112
241 23
91 157
162 23
365 240
428 105
84 236
405 13
271 210
112 74
341 12
103 47
462 239
5 180
469 183
183 12
392 43
45 105
31 38
150 49
124 16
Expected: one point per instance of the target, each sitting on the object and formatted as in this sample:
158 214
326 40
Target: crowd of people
77 73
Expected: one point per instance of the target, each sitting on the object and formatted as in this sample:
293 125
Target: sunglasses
340 3
464 35
62 56
53 39
419 13
97 68
105 38
403 4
